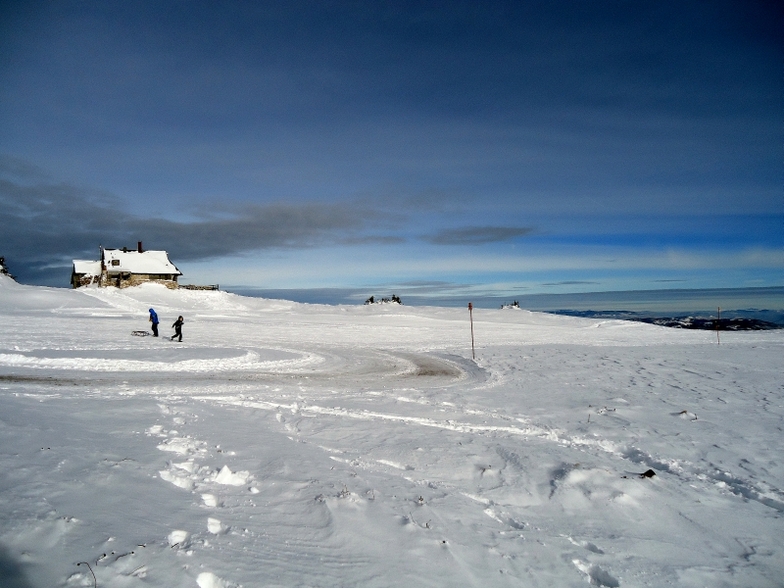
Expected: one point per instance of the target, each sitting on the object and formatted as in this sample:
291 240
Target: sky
445 148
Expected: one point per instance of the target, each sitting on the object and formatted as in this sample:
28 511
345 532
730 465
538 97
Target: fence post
471 318
718 326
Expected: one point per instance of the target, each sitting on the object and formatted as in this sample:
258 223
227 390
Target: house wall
118 281
79 280
196 287
129 280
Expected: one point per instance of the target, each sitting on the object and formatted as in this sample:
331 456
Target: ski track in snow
367 450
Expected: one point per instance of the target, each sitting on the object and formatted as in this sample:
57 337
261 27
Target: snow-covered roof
88 268
147 262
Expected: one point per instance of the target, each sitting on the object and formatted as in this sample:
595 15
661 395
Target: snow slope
283 444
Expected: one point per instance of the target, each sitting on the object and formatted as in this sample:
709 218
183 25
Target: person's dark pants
177 333
155 329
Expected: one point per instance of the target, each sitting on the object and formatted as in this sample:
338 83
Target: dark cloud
477 235
45 225
373 240
426 287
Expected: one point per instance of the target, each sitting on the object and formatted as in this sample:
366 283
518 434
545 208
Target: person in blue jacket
154 321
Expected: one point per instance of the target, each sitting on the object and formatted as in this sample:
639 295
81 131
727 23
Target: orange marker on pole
471 317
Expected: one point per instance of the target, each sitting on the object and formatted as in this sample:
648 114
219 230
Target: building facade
123 268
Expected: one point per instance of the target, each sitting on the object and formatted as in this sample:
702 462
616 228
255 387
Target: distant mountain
743 320
731 324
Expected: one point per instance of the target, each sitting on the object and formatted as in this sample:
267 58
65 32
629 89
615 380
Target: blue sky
447 147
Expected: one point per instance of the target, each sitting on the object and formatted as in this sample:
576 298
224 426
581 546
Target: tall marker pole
718 320
471 317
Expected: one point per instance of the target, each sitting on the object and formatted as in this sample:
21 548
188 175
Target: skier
154 321
178 328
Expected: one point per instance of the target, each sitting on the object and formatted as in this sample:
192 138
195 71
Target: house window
115 262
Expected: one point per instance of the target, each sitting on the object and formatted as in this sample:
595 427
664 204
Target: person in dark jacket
178 328
154 321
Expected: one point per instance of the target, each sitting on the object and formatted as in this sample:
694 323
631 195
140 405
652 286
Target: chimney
139 247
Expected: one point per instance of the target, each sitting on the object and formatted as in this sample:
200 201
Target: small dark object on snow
95 580
395 299
645 474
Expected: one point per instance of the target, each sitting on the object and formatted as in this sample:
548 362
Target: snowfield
283 444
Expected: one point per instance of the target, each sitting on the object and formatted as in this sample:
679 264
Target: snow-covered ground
283 444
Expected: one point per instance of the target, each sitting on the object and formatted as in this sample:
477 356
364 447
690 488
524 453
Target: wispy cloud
45 223
570 283
373 240
477 235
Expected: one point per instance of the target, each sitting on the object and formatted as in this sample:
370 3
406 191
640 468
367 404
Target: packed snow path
299 445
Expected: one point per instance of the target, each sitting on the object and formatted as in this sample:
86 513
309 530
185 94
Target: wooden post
718 320
471 318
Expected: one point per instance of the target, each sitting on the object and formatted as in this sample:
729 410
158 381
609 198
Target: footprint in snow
587 545
596 575
178 538
210 580
214 526
227 477
209 500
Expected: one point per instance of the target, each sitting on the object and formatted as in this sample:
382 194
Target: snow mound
227 477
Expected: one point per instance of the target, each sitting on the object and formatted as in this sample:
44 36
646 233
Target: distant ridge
732 323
